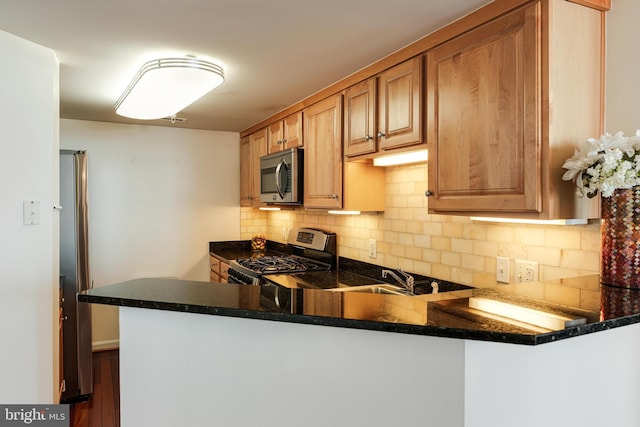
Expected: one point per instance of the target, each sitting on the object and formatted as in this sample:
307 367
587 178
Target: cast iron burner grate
282 264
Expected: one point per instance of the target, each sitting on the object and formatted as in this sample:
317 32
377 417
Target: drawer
215 264
224 271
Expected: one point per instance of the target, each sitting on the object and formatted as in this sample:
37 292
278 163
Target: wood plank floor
103 408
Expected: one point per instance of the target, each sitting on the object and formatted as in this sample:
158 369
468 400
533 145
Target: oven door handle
277 297
232 279
278 172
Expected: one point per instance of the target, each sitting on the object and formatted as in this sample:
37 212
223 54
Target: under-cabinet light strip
532 221
344 212
543 319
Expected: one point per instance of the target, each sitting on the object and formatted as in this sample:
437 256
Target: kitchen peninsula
218 358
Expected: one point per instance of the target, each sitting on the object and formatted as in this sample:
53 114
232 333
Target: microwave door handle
278 170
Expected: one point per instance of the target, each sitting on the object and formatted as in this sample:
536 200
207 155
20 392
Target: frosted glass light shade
163 87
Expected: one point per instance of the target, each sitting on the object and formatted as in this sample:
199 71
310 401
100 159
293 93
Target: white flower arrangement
606 164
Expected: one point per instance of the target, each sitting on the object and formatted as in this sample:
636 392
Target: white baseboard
105 345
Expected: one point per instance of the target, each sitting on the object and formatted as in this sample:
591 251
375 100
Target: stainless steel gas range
309 250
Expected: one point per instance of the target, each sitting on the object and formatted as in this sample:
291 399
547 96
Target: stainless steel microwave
281 177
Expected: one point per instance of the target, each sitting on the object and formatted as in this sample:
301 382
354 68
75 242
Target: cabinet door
323 154
275 137
400 105
258 148
293 130
61 384
285 133
360 118
224 272
483 118
246 177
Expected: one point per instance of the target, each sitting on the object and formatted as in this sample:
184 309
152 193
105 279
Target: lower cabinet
61 385
219 270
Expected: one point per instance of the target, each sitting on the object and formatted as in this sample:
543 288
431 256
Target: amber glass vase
620 239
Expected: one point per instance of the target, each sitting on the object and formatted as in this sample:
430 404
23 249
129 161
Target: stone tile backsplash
452 248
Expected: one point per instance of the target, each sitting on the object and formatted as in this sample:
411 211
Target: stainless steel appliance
311 250
281 177
75 276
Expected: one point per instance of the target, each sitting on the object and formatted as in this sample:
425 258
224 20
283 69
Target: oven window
277 298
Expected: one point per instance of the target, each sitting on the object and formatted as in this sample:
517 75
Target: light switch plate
502 269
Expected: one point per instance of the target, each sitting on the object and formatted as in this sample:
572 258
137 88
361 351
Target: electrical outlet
526 271
373 248
502 269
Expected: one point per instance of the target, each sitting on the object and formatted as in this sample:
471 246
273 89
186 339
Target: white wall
28 258
587 381
157 196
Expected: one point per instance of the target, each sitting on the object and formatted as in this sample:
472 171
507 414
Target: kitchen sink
420 288
374 289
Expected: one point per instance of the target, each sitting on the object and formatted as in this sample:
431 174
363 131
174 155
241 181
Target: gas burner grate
281 264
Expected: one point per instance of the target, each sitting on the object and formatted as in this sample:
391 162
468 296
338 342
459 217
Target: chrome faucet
406 280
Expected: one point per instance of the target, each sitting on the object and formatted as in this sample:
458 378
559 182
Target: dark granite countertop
445 314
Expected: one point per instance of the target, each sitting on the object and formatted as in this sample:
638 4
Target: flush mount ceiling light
163 87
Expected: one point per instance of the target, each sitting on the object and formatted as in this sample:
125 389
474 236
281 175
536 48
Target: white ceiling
274 53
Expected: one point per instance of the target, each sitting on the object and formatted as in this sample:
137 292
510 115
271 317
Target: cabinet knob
381 135
428 193
284 141
334 196
368 138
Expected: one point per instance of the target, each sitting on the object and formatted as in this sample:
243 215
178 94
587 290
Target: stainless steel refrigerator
75 277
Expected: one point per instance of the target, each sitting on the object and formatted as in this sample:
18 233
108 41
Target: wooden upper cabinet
251 149
385 112
285 133
400 105
360 125
246 177
507 104
483 114
323 154
603 5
